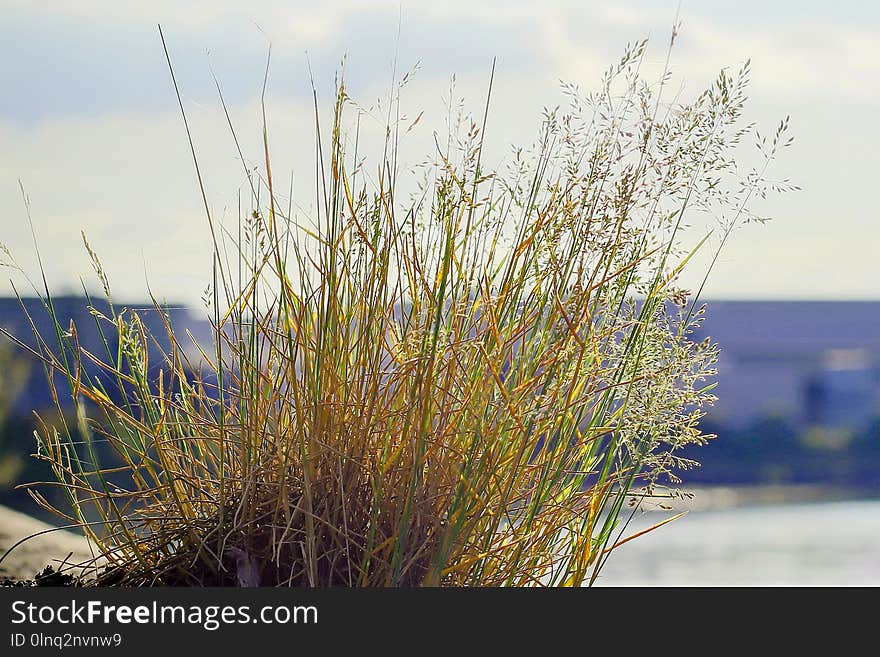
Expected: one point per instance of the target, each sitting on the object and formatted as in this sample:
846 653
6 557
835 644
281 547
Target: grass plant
464 386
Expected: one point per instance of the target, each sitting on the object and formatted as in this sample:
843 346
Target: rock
33 555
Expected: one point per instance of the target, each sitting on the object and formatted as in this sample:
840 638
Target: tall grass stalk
464 388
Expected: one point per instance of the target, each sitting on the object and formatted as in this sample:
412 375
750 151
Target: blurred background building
812 362
798 389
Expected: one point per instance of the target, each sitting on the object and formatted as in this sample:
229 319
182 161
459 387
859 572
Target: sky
90 127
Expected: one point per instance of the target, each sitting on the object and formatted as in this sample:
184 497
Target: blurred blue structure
35 394
810 362
798 386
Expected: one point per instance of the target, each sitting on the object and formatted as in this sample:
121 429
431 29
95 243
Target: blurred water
827 544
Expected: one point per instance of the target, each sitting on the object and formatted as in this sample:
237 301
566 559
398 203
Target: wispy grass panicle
458 386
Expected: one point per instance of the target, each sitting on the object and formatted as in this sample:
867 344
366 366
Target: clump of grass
464 388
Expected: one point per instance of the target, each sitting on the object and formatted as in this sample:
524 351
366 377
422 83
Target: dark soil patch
48 577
